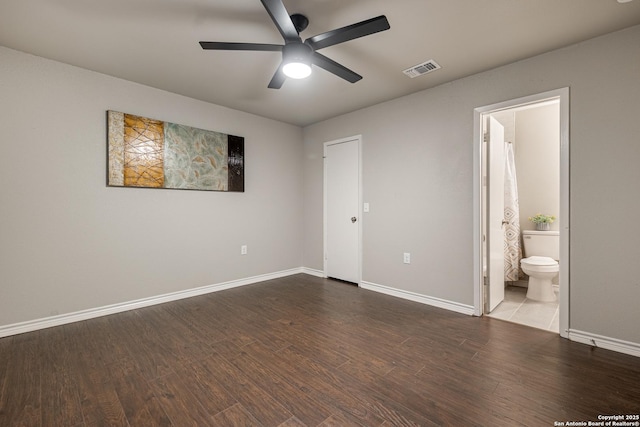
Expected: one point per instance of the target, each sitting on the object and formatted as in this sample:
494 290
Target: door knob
504 222
354 219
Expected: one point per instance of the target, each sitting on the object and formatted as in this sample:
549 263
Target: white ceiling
155 42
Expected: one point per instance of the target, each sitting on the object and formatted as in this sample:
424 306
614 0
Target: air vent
420 69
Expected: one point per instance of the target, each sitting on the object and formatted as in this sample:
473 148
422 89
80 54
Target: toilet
542 251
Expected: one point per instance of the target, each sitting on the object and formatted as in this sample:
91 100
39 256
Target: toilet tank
541 243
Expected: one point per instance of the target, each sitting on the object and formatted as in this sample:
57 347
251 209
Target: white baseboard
314 272
424 299
62 319
614 344
608 343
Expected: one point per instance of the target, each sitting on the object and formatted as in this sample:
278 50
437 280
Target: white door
342 216
495 244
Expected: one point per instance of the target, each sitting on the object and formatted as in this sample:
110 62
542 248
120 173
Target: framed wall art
151 153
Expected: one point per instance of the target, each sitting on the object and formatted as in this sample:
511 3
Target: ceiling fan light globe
297 70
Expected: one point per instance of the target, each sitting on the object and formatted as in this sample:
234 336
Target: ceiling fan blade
350 32
240 46
335 68
278 79
280 17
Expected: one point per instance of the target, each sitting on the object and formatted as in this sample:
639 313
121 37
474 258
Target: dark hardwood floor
303 351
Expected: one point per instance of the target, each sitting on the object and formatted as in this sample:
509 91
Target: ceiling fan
297 56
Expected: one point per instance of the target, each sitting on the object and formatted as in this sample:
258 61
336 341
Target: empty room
319 213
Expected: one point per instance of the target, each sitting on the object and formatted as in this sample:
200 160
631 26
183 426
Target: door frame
358 139
564 284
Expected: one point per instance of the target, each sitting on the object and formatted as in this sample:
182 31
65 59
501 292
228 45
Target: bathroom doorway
522 170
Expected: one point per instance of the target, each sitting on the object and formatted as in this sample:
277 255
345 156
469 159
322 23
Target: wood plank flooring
304 351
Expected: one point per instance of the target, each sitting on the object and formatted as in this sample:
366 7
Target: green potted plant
542 221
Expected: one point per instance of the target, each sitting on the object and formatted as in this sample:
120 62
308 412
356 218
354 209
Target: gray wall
418 178
537 156
68 242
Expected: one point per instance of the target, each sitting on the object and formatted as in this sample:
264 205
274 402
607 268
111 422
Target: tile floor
518 309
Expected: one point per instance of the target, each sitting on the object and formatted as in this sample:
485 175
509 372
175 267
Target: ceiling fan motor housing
297 52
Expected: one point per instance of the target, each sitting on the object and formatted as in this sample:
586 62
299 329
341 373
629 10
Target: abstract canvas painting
155 154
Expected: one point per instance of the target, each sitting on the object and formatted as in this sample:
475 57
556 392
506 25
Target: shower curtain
512 249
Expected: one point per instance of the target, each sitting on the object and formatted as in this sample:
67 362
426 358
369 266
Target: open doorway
522 162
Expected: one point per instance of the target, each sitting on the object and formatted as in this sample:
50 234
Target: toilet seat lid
539 260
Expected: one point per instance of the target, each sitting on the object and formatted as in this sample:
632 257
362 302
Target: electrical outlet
243 250
407 258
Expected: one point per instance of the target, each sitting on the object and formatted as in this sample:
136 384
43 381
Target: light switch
366 207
